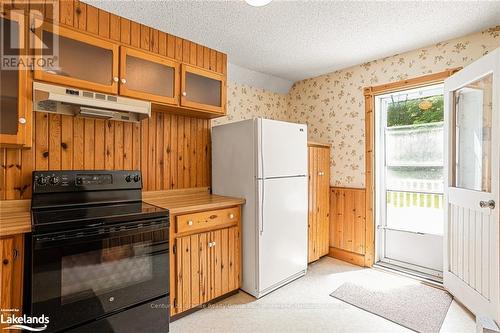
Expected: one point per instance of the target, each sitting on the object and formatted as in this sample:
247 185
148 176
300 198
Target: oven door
85 274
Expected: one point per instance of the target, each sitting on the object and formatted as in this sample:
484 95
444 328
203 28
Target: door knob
115 79
487 204
124 81
22 120
184 93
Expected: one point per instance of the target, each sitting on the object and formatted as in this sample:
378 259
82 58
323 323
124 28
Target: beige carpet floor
305 305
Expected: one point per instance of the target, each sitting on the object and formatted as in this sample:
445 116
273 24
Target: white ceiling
300 39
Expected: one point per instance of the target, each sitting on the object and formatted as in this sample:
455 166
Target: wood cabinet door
148 76
202 89
11 274
319 202
323 201
312 233
84 61
207 266
15 121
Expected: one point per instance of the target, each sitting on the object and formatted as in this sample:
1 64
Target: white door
282 230
283 149
471 239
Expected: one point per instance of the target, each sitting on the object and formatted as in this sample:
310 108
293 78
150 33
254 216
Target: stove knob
54 180
137 178
128 179
42 181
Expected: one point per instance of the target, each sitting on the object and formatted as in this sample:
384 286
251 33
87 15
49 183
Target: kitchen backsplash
333 104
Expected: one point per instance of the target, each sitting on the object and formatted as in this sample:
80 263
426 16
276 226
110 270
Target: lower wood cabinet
11 274
206 264
319 207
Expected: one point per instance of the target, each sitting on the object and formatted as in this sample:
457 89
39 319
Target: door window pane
80 60
473 121
9 79
202 89
413 181
150 77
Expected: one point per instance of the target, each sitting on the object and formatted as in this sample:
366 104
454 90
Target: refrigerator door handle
262 169
262 208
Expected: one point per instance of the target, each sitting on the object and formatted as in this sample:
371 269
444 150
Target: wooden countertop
317 144
189 200
15 215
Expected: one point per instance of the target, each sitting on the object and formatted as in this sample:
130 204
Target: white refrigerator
265 161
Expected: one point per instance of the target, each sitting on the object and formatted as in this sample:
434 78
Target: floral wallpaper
333 104
245 102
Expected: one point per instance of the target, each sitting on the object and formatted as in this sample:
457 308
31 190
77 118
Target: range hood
84 103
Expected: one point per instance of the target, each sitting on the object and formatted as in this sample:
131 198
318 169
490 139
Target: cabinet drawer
208 219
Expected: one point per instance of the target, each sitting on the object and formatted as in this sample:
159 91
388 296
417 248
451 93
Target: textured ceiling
300 39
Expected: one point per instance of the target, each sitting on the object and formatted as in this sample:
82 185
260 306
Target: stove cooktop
72 216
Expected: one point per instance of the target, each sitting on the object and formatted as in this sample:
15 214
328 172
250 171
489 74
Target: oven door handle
98 233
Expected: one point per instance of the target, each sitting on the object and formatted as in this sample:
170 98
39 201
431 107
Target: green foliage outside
400 113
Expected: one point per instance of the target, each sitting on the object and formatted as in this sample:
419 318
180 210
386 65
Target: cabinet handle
321 173
184 93
231 216
5 261
212 217
22 120
16 253
124 81
116 79
190 222
213 243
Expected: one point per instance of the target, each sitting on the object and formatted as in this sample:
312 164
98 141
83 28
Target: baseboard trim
350 257
202 306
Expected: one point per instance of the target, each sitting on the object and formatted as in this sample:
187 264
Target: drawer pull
231 216
213 217
190 222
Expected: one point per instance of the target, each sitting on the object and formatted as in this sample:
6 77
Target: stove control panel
85 180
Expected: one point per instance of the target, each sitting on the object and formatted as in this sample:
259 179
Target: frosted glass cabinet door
202 89
84 61
13 119
472 132
147 76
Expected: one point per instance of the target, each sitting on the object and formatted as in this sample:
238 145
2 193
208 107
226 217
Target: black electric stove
99 255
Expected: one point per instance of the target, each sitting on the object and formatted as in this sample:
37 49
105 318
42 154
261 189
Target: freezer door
282 149
282 229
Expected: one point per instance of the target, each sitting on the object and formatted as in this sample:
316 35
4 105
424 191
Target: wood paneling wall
171 151
348 224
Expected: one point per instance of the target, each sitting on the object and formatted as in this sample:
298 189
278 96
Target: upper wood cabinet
202 89
148 76
84 61
15 121
319 203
